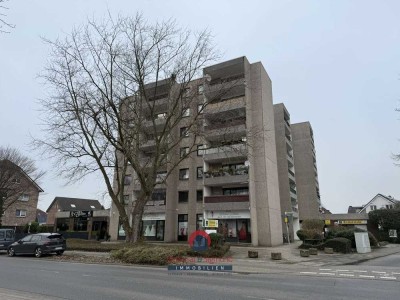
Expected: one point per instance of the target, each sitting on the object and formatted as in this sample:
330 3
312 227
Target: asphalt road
31 278
392 261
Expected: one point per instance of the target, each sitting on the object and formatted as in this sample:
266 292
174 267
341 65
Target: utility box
362 242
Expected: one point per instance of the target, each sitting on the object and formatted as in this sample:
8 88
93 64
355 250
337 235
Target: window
127 179
186 113
92 206
183 196
200 172
184 152
26 239
21 213
182 227
183 174
200 89
373 207
184 132
73 205
36 238
199 196
236 191
201 150
126 199
24 197
159 196
390 206
16 180
80 224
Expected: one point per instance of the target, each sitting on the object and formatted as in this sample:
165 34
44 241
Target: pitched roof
354 209
72 204
390 199
6 161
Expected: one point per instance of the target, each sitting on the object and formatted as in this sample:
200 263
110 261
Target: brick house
23 207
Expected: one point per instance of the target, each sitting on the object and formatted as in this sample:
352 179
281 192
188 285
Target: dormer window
91 206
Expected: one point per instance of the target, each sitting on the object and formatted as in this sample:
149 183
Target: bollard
253 254
313 251
276 255
304 253
328 250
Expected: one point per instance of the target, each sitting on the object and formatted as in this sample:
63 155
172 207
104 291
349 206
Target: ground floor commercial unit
83 224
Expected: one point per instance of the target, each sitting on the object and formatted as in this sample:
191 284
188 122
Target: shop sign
352 222
223 214
211 223
81 213
153 217
327 222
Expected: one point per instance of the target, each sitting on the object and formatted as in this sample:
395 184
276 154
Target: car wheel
38 252
11 252
58 253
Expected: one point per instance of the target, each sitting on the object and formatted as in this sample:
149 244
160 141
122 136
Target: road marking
367 276
394 273
360 271
342 271
86 275
308 273
347 275
327 274
325 269
378 272
252 297
386 277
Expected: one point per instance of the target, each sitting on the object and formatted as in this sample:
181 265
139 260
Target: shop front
153 226
235 226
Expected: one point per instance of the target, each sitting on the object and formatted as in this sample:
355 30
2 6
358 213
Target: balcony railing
225 124
293 191
226 198
226 172
291 172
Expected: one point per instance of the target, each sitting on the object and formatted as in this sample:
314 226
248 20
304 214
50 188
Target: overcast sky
333 63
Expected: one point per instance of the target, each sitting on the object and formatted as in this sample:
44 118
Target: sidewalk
291 258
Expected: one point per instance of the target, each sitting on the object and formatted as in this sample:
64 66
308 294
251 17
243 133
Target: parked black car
39 244
7 237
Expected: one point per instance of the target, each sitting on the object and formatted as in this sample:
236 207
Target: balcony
226 198
148 146
159 123
222 153
222 107
228 131
218 178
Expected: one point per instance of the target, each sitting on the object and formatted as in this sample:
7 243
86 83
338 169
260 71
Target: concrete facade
247 175
286 172
308 195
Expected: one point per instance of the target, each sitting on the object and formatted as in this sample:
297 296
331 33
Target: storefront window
182 227
62 224
153 229
235 230
80 224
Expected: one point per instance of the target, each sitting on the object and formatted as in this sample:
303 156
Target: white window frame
24 197
22 213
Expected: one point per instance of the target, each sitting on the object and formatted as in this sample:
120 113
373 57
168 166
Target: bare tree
17 172
119 95
3 22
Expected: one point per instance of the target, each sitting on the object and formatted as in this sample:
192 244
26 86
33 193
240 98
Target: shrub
211 252
313 224
33 228
156 255
217 240
348 233
342 245
307 234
